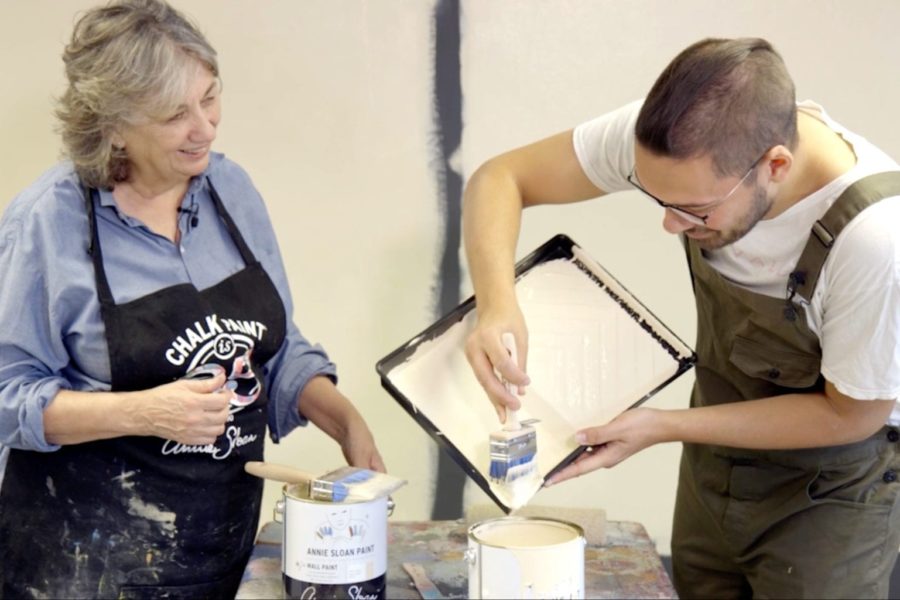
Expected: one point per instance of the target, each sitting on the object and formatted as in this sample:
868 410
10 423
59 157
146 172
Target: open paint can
333 549
523 557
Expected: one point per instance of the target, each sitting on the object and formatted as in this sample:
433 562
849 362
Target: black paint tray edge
559 246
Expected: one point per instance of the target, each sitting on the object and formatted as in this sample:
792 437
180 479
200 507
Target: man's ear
778 161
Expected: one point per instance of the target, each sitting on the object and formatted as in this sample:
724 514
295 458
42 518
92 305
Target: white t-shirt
855 309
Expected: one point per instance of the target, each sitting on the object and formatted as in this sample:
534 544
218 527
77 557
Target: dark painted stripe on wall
448 497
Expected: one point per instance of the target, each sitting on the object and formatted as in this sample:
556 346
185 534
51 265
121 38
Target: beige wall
328 106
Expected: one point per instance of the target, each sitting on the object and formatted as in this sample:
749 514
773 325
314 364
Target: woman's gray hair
126 62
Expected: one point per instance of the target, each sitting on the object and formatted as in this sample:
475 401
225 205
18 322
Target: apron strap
103 290
851 202
242 246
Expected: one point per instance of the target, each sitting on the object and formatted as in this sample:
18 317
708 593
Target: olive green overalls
810 523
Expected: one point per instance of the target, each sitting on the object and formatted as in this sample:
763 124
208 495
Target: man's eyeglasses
685 213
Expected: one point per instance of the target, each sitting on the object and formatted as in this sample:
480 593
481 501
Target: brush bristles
335 486
512 455
328 491
353 483
348 475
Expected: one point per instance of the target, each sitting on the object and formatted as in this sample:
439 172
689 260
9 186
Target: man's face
732 205
753 209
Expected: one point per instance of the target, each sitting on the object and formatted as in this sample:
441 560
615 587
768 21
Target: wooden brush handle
426 587
512 417
512 420
277 472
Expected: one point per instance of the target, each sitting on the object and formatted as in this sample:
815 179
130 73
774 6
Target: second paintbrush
345 483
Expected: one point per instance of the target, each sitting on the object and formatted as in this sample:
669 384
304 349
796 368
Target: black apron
140 517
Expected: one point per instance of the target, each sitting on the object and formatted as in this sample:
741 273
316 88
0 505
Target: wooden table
625 566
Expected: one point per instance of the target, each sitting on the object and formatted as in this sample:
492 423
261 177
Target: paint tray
594 352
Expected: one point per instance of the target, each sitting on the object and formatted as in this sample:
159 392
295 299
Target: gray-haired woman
142 259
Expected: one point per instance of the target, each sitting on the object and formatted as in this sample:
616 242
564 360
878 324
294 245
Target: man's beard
760 205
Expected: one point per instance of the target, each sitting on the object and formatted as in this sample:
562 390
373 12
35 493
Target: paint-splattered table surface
625 566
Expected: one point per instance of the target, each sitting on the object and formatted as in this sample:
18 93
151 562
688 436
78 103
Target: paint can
333 549
525 557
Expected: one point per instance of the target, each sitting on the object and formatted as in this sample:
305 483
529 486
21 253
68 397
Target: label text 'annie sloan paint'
339 553
334 550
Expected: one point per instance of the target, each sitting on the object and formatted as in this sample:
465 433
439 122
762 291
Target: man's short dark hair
729 99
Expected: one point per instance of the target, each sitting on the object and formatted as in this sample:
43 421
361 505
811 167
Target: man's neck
821 157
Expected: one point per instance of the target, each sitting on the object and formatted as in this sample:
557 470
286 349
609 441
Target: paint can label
524 557
335 550
306 590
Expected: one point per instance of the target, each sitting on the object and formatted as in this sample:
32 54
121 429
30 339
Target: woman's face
168 151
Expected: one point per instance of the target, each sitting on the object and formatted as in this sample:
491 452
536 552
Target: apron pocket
780 366
758 481
863 483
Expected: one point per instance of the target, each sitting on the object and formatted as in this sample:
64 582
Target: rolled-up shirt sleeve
295 364
31 357
22 404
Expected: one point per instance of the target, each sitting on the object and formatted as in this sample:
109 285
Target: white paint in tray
589 360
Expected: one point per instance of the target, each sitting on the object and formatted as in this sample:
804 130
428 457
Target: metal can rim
471 534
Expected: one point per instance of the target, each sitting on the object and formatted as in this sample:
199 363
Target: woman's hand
192 412
188 411
332 412
358 447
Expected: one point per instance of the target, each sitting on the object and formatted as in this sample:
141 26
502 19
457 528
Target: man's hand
610 444
488 357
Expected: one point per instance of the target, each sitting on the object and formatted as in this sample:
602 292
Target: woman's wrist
74 417
326 407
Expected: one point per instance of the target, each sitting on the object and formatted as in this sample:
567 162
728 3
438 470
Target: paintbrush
513 449
346 483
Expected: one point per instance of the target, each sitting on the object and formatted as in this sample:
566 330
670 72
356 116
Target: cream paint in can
523 557
333 549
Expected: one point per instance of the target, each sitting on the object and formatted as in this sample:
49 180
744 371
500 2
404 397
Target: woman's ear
118 142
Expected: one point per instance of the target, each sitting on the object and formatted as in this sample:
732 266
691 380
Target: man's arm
785 422
545 172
